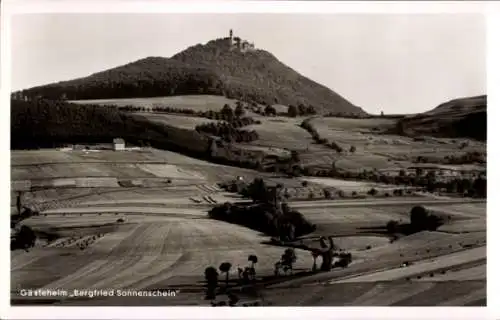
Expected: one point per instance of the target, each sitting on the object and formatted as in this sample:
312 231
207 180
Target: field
165 238
179 121
137 219
194 102
384 151
281 132
348 186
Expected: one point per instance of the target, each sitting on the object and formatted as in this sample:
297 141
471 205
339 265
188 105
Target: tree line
229 130
306 124
269 214
420 220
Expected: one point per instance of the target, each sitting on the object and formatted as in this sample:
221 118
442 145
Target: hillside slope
47 124
464 117
203 69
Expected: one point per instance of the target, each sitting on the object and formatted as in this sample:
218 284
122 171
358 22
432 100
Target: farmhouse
447 171
425 169
118 144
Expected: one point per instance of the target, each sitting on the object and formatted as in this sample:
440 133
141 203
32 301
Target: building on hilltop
236 43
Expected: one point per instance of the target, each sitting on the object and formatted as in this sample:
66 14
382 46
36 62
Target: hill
44 123
464 117
213 68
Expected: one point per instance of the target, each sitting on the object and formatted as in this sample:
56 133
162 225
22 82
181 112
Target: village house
118 144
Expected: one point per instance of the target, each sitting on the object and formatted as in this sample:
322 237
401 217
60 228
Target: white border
372 7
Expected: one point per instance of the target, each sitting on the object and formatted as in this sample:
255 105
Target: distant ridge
214 68
463 117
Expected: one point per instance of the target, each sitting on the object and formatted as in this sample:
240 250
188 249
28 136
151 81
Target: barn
118 144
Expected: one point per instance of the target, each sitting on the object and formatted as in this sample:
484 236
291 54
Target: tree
418 217
212 278
233 299
315 254
311 110
392 226
479 187
18 202
327 193
225 267
334 166
253 260
239 111
26 237
270 111
285 208
257 190
302 109
289 258
419 171
292 111
294 156
227 112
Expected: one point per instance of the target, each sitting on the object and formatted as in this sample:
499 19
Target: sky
390 63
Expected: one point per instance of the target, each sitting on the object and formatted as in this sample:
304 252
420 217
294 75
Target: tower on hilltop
231 39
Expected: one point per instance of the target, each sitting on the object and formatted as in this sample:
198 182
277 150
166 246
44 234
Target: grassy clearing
444 261
463 274
336 123
157 251
378 294
358 216
195 102
348 186
281 132
180 121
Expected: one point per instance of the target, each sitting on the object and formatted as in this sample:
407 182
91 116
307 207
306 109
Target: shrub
327 193
392 226
264 217
418 217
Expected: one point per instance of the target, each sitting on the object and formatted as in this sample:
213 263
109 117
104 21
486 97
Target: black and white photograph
248 159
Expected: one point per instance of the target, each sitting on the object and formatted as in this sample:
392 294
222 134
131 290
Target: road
380 202
168 206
